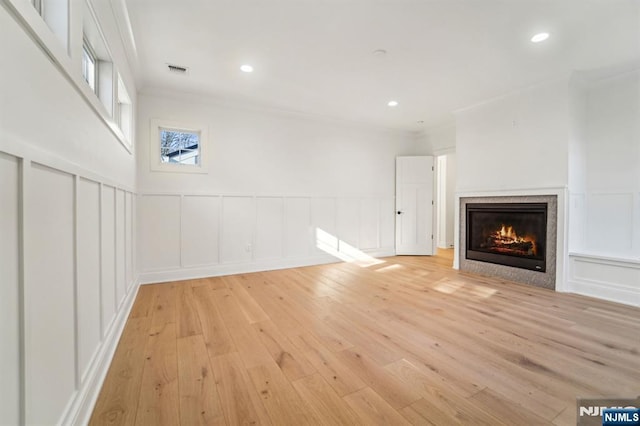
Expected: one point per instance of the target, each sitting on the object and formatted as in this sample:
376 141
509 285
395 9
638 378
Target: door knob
399 212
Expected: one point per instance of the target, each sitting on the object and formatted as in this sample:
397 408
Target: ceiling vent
177 69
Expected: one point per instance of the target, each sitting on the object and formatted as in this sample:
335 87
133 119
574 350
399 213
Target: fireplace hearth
510 234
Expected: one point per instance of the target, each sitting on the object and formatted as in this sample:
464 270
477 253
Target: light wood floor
406 341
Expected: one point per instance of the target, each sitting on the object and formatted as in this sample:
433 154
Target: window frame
155 156
88 49
123 110
38 5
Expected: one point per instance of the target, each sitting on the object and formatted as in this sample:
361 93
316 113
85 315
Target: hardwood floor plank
199 400
250 308
164 305
159 401
508 412
240 404
337 375
187 312
377 378
143 305
281 401
373 409
325 403
118 400
289 358
214 330
245 338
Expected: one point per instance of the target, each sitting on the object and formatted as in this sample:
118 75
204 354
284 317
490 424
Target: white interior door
414 205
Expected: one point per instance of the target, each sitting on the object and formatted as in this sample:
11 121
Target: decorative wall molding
75 281
613 279
185 236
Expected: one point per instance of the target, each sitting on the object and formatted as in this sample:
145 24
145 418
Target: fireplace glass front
511 234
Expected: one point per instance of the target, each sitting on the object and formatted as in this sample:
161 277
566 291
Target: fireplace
510 234
486 248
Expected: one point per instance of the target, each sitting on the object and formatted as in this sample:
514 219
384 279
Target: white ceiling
315 56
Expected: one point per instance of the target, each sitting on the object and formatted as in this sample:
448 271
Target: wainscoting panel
612 279
577 217
129 271
121 252
88 303
369 237
200 230
269 227
238 218
323 222
160 231
59 323
349 221
297 229
9 289
108 289
225 234
609 220
387 222
49 293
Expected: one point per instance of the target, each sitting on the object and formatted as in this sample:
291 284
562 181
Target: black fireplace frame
505 259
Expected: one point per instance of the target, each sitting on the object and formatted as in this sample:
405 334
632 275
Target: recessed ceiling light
539 37
393 103
246 68
379 52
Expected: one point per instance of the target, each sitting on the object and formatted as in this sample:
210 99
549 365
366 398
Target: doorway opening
446 169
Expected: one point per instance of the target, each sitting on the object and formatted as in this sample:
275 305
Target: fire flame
507 235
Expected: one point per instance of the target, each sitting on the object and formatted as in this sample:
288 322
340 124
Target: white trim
178 274
84 400
16 146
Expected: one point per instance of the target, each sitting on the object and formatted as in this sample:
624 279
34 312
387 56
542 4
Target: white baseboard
84 399
606 291
216 270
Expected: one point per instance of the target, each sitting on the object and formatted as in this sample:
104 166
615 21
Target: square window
179 147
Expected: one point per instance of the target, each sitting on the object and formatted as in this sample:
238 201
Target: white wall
59 161
577 161
271 180
515 142
516 145
613 166
605 258
441 138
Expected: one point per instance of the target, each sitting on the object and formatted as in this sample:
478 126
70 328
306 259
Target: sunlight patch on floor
390 268
330 244
450 287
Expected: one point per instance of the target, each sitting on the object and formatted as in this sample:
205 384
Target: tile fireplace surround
540 279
